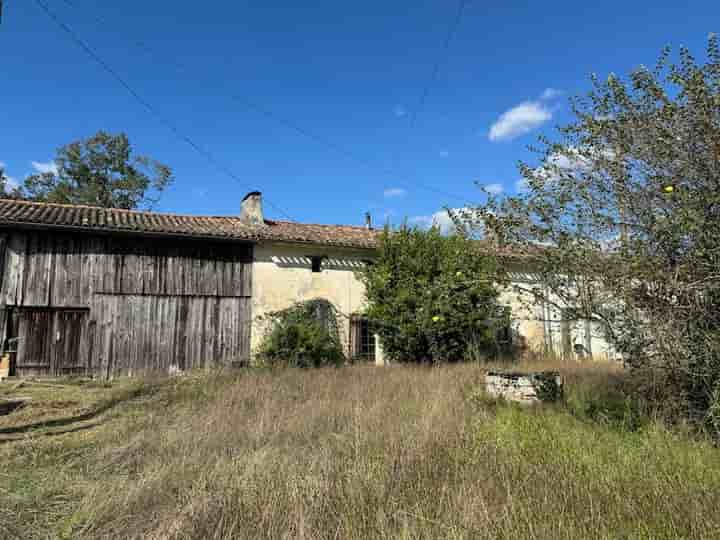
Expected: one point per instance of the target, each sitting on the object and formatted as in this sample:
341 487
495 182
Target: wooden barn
89 290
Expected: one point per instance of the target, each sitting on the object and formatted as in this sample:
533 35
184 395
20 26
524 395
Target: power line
147 105
436 69
289 124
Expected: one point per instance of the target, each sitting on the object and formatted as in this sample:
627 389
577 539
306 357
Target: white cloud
521 185
571 162
550 93
611 244
440 219
394 192
494 189
519 120
49 167
3 164
399 111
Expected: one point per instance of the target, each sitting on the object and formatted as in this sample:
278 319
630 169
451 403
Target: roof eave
296 242
124 232
175 235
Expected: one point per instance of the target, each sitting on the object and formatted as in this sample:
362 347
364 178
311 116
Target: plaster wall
282 276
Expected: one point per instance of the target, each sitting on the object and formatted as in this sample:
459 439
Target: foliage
7 189
303 335
100 171
627 203
431 296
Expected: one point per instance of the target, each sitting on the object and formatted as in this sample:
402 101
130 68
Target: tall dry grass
366 453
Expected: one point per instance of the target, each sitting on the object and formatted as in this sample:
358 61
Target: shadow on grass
20 436
103 407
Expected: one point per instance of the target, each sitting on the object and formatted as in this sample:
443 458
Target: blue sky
349 73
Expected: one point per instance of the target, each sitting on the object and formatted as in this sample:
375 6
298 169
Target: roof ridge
358 227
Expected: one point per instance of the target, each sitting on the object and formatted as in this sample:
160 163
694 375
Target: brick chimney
251 211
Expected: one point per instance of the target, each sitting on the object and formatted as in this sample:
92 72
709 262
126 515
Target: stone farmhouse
88 290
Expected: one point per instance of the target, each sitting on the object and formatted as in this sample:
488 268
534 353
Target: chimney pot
368 220
251 211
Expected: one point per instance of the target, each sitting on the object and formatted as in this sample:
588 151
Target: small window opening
362 338
316 263
504 335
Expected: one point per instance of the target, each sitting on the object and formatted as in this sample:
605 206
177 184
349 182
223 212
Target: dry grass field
357 452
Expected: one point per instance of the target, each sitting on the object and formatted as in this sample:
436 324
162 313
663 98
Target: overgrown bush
627 205
433 297
303 335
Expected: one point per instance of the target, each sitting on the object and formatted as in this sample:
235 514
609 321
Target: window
362 338
575 334
504 336
503 333
567 320
316 263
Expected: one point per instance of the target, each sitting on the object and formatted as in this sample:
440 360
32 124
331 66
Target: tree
627 206
100 171
8 190
431 297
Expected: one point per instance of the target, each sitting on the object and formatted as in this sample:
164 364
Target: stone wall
525 388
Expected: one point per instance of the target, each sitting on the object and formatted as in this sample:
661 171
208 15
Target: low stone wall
526 388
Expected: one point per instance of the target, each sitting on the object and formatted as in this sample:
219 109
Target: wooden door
68 335
35 348
49 341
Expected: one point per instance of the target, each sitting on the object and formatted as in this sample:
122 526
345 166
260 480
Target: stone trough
525 388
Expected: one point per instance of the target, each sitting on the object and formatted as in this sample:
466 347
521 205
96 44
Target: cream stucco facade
539 326
283 275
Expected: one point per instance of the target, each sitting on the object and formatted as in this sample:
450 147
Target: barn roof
96 219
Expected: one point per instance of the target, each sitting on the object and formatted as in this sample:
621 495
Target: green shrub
303 335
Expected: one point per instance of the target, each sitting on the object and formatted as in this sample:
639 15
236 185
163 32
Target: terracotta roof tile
90 218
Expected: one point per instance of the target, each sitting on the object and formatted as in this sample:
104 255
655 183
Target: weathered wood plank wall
50 269
152 302
197 331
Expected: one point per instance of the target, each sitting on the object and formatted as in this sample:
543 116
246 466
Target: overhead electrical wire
148 106
452 29
273 116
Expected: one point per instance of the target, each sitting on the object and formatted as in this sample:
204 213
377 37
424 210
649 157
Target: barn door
68 333
49 341
34 329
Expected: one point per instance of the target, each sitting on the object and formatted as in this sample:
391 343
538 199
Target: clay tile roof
96 219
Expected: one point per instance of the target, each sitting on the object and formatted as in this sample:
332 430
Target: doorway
47 341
